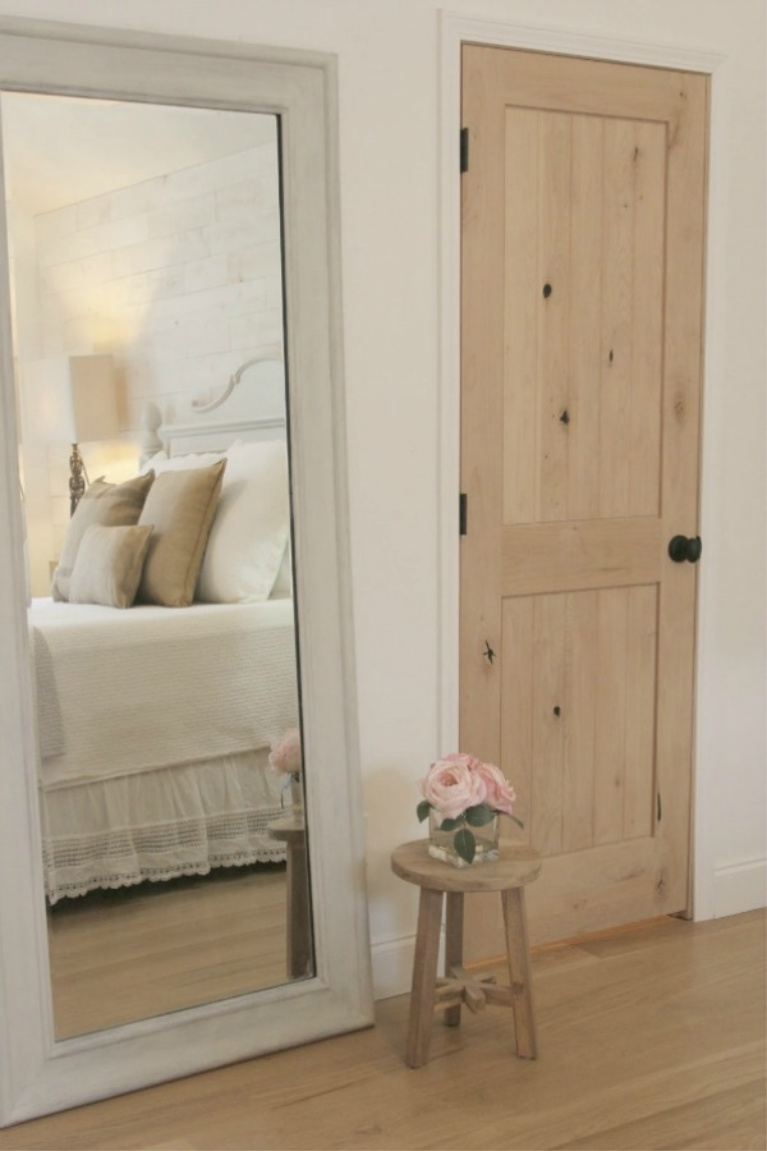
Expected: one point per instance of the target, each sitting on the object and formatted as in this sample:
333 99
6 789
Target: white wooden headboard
251 410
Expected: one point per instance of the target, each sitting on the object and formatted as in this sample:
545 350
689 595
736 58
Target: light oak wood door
583 212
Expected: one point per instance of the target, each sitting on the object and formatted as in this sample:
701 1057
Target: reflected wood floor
140 951
652 1037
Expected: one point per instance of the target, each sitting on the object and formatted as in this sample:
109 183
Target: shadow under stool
508 876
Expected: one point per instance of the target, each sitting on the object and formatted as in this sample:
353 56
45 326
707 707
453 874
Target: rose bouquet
463 792
285 757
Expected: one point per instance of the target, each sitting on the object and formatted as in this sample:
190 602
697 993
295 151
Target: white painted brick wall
179 278
182 271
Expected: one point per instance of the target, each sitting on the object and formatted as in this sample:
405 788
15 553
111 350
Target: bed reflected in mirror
146 266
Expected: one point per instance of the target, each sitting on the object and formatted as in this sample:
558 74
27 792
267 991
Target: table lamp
74 400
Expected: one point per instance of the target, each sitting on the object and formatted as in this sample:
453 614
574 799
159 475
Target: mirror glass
148 322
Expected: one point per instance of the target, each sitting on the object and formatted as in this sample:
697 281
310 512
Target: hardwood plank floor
653 1037
117 956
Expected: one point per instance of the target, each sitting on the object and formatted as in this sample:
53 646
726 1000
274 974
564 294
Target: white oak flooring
652 1037
117 956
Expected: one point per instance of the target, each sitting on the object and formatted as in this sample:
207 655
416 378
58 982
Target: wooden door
582 312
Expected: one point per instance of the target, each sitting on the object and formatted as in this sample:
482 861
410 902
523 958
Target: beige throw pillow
181 508
109 565
112 505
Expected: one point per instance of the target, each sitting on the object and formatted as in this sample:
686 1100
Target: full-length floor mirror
179 741
146 248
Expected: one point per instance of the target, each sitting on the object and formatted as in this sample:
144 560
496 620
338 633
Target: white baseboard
740 887
737 887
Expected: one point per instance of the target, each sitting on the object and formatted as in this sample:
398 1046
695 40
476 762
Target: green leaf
450 824
465 844
423 809
479 815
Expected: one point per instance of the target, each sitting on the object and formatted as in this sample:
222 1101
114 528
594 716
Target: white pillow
249 535
283 584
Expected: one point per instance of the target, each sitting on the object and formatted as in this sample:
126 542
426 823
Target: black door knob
694 548
682 548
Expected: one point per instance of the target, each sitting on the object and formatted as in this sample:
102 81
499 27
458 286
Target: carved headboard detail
255 412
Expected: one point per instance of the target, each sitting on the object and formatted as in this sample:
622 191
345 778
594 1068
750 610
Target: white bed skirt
181 820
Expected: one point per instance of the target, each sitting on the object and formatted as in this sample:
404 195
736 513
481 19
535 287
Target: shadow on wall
391 795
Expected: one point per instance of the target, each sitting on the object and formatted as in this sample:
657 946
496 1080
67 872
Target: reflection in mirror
147 289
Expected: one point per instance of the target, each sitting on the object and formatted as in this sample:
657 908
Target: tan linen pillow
181 506
109 565
112 505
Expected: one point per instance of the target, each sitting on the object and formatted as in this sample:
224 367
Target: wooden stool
516 867
291 831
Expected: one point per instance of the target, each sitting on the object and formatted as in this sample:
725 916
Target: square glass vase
292 796
442 846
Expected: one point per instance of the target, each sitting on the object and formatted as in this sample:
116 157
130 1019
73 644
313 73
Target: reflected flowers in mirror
285 757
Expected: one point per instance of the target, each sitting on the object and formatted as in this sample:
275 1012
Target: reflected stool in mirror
508 876
292 832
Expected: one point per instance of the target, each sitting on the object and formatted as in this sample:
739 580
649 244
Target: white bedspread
108 681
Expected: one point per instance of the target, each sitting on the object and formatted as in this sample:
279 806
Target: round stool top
517 866
290 829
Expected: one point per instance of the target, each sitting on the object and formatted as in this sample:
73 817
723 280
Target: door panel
587 363
582 270
580 673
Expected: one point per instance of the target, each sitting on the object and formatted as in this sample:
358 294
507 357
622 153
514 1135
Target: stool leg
424 978
518 951
453 946
299 938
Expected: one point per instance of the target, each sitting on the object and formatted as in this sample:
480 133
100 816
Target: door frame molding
455 30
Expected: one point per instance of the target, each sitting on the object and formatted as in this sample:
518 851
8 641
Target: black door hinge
463 513
464 149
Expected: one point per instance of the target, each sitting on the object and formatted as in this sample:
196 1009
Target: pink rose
286 755
452 785
498 794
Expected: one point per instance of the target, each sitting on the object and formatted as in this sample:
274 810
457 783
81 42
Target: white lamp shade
71 399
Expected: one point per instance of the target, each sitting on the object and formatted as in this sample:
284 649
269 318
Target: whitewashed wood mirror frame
39 1074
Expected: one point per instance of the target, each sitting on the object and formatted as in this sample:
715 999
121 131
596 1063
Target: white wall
388 54
178 277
